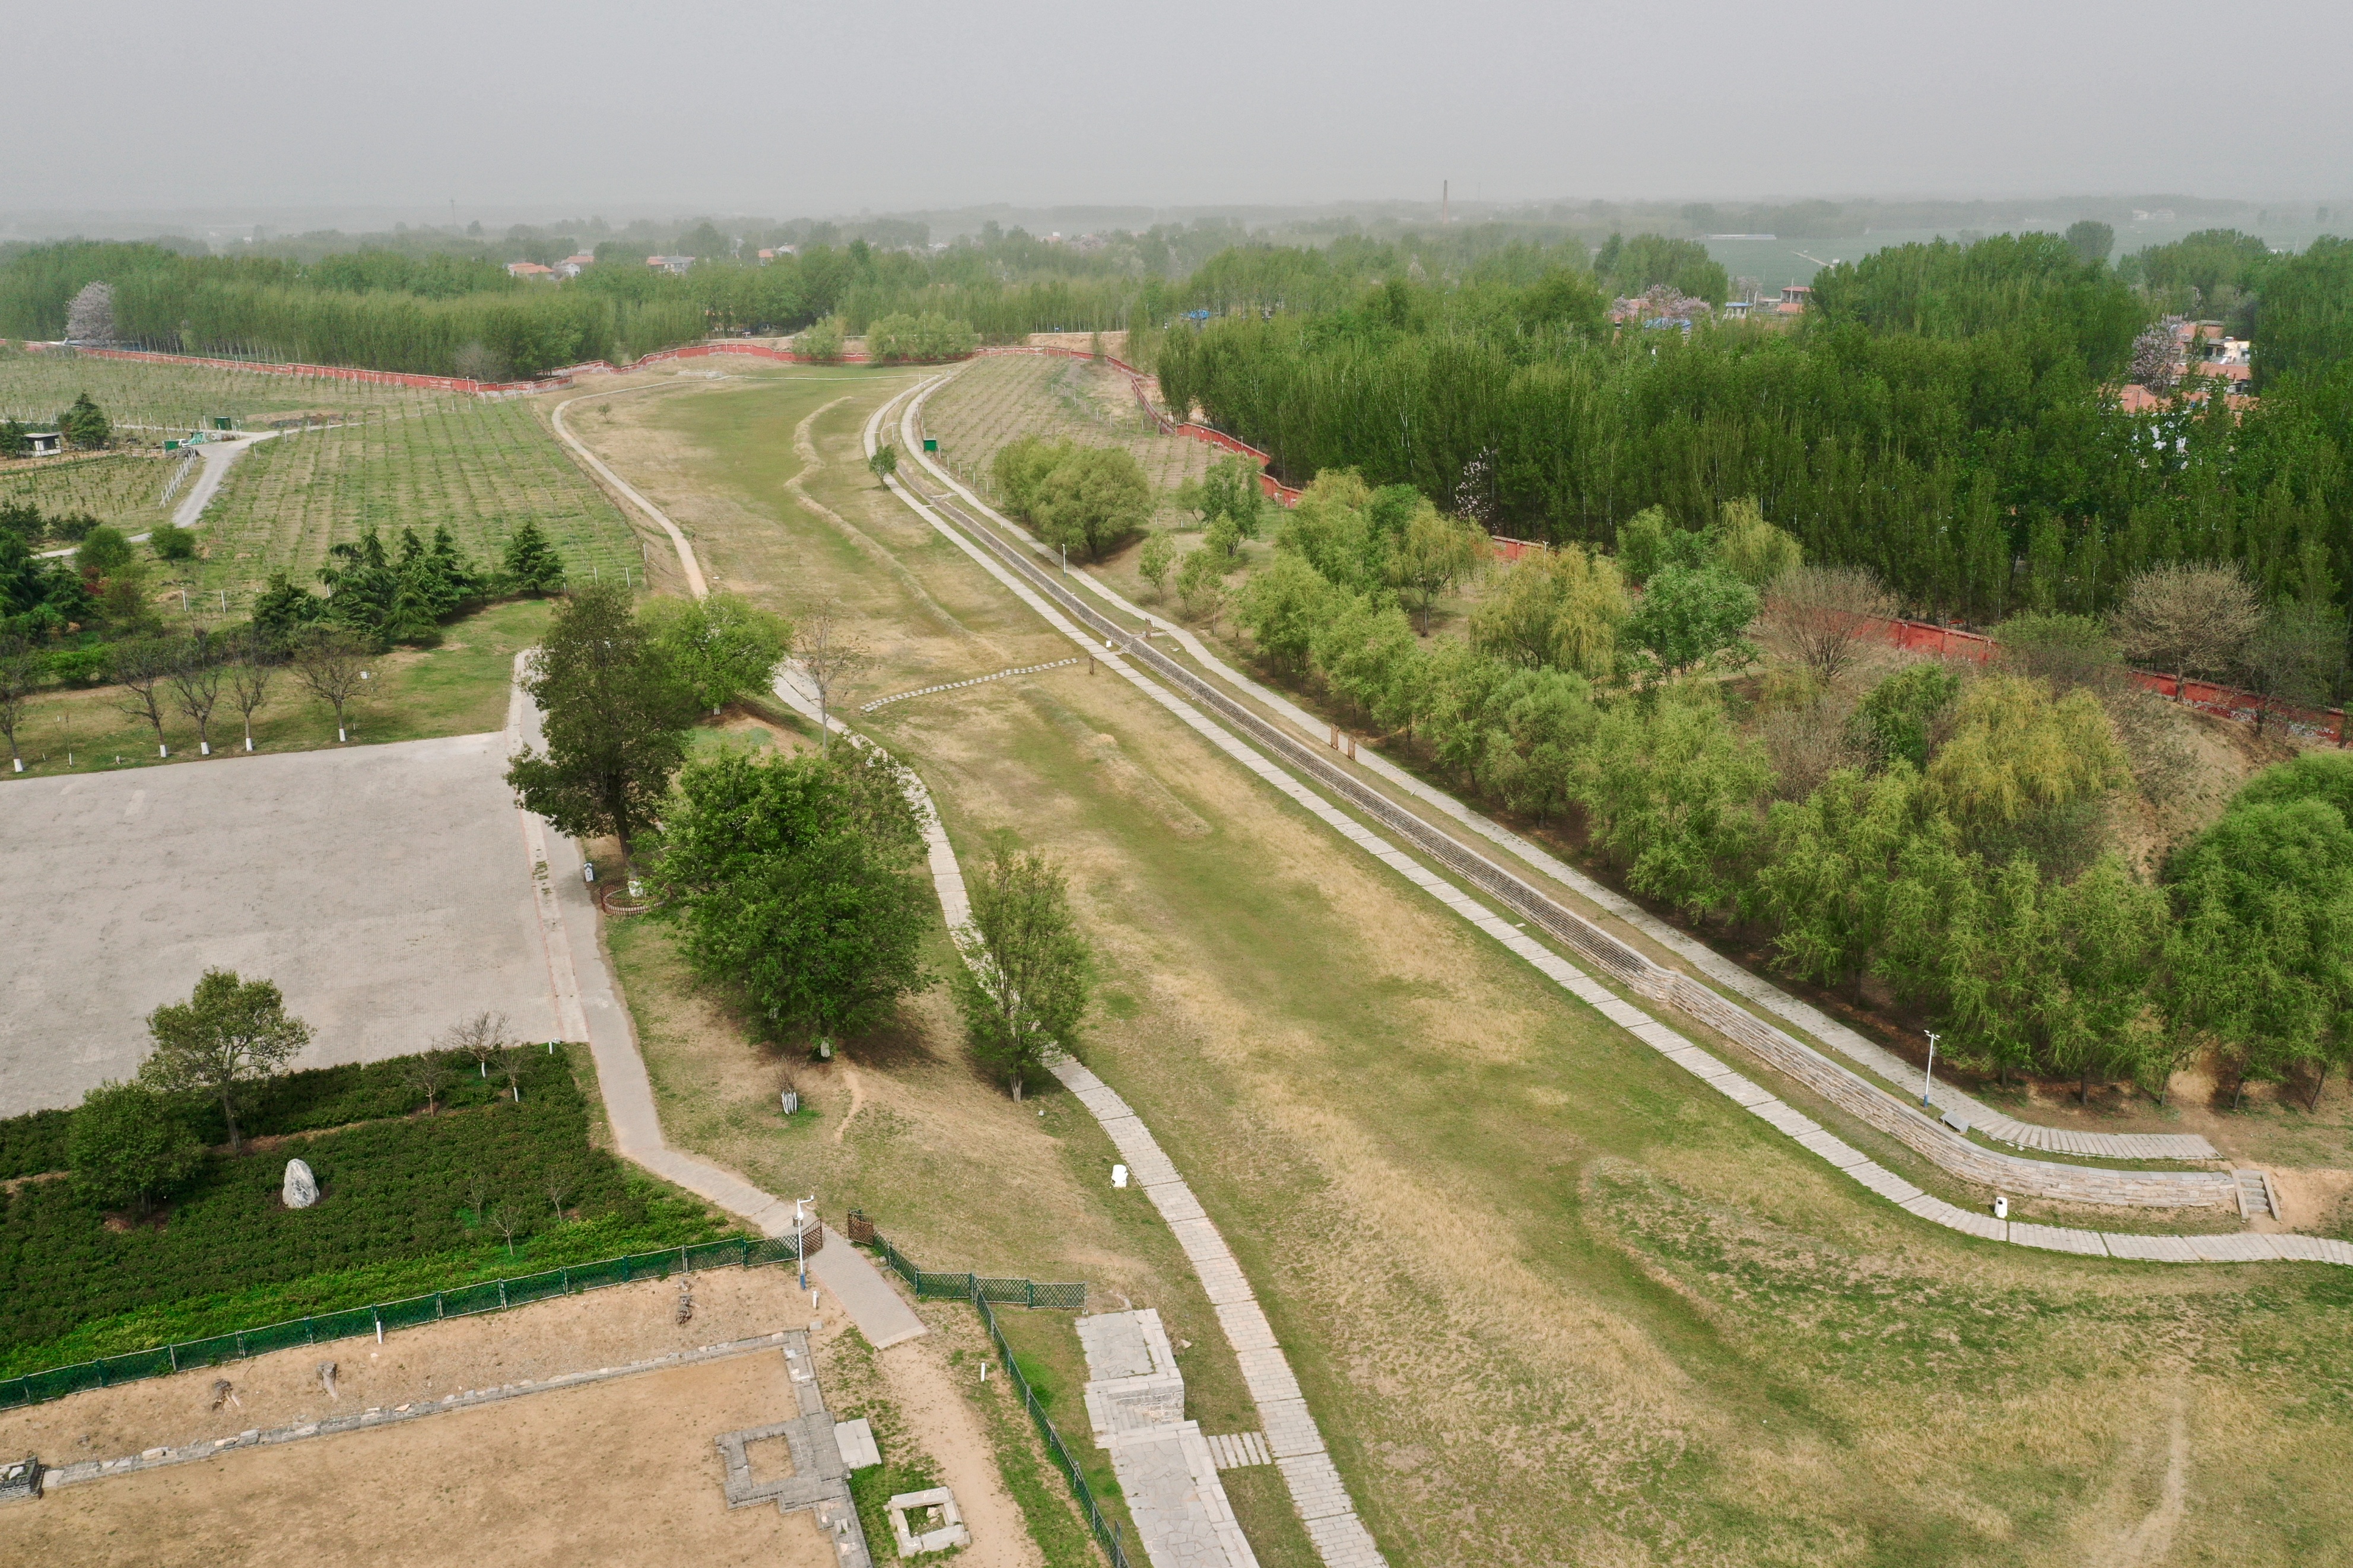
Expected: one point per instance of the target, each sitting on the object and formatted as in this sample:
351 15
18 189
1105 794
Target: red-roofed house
529 269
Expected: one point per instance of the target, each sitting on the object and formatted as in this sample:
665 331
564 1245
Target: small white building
43 443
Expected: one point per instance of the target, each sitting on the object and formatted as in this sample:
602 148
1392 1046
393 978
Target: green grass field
459 688
1553 1301
481 468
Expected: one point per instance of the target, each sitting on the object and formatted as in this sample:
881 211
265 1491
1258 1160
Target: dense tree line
1943 834
382 310
1945 418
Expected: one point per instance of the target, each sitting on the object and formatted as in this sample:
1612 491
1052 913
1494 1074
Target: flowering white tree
90 318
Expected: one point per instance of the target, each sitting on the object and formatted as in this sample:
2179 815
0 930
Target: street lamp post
800 1235
1929 1075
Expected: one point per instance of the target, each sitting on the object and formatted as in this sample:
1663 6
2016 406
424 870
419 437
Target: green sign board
931 443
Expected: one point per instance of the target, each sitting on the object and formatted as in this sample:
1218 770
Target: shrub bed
394 1192
296 1103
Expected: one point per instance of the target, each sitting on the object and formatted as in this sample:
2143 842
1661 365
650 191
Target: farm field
149 403
1552 1302
398 1218
124 490
480 468
1000 398
458 686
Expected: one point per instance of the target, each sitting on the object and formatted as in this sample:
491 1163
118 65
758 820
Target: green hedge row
391 1190
296 1103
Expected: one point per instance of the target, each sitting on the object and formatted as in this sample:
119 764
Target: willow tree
1027 971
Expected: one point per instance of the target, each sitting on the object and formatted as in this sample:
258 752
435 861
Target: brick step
1240 1448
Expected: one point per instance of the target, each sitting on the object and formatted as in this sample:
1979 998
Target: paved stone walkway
1167 1470
1760 1102
1316 1490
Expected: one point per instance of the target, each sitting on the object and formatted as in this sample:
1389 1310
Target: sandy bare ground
612 1327
622 1471
617 1471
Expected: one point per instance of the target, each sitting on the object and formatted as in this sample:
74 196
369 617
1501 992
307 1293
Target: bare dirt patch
623 1471
601 1328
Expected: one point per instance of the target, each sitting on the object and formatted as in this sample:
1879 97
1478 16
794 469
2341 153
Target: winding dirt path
694 579
805 445
857 1102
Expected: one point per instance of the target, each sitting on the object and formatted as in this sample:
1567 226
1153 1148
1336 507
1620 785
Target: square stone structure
385 889
1167 1468
820 1479
950 1532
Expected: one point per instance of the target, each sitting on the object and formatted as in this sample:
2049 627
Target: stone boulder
301 1188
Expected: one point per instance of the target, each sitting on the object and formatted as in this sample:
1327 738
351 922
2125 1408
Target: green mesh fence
981 1291
489 1296
931 1286
1106 1534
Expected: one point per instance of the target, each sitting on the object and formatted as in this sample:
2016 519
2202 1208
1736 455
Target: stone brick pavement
1290 1434
1167 1470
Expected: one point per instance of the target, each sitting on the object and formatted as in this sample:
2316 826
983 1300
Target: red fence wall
1950 642
1914 637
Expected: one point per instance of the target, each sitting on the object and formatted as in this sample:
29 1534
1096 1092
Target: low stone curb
960 685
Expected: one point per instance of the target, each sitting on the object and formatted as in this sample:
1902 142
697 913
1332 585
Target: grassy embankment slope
1515 1256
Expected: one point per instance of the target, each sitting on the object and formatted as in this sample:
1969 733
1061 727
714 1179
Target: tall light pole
1929 1075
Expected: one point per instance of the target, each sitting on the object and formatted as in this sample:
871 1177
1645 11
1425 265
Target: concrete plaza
385 889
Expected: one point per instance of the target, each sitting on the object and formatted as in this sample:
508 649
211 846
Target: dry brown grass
1553 1303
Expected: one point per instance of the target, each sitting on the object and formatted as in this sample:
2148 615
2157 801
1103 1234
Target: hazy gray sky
787 108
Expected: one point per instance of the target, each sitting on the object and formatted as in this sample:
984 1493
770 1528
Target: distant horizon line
438 214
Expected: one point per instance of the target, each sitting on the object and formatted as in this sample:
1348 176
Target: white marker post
1929 1075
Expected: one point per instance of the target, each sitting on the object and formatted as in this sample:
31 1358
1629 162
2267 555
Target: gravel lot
385 889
